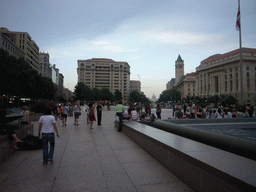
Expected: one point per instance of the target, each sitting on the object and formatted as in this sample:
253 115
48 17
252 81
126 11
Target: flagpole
241 59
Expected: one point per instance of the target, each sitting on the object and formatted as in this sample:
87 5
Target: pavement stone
98 159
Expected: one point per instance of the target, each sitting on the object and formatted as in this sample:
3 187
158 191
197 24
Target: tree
170 95
106 95
229 100
18 78
95 94
135 96
118 95
82 92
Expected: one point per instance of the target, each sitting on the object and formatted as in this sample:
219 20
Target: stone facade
220 74
8 45
24 42
99 73
135 86
186 85
45 67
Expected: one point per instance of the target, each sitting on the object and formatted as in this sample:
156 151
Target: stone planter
35 116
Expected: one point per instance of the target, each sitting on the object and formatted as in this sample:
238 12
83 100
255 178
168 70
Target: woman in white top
134 115
77 113
218 114
47 125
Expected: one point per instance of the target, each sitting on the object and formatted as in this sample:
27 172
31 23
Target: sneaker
50 160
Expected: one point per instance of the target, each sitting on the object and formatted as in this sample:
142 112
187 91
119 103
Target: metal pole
241 59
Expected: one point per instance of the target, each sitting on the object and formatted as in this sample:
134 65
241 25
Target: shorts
77 114
64 115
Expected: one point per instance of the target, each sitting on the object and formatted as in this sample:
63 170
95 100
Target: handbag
61 110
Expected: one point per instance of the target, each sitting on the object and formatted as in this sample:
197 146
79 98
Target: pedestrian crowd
192 111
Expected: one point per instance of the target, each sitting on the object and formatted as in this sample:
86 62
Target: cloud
135 58
105 46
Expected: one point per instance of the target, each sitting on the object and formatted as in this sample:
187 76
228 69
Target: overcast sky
148 34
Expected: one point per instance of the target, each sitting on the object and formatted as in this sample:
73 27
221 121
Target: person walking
99 113
77 113
47 125
119 113
64 115
158 111
91 114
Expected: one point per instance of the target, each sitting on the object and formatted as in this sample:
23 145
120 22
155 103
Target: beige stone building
179 70
135 86
220 74
24 42
99 73
45 67
170 84
7 44
185 84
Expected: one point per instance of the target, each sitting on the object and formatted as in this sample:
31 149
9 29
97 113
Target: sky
148 34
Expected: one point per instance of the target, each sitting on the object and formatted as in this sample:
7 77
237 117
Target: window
230 76
247 68
248 74
248 84
231 86
216 84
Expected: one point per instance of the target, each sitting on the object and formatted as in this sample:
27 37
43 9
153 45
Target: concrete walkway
99 159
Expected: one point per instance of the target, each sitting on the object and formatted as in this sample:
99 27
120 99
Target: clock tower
179 69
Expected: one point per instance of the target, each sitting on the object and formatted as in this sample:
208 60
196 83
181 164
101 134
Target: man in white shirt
47 125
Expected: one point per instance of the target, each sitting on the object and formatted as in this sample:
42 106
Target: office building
24 42
220 74
7 44
45 67
135 86
105 73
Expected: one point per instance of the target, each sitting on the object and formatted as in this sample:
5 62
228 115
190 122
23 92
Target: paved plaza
100 159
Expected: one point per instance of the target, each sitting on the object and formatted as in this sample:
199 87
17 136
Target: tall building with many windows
7 44
99 73
45 67
24 42
135 86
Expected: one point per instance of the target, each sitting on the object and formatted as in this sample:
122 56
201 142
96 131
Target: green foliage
135 96
40 105
172 95
95 94
229 100
118 95
18 78
82 92
106 95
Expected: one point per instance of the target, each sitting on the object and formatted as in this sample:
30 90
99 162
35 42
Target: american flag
238 18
